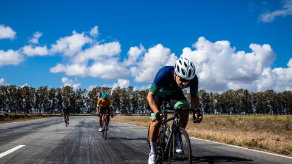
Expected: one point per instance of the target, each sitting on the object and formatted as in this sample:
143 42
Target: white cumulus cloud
70 45
71 83
133 54
270 16
98 52
35 51
6 32
10 57
35 38
2 81
219 67
71 70
152 61
122 83
94 31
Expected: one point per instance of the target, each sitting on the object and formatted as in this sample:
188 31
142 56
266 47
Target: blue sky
234 44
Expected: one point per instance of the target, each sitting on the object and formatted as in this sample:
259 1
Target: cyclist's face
182 83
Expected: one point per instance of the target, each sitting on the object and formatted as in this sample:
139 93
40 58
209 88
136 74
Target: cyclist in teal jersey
167 86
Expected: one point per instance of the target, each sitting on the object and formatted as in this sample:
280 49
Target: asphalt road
49 141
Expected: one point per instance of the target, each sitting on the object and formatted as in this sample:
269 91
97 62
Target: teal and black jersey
66 111
164 82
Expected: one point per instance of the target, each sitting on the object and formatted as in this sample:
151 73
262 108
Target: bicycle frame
104 122
174 129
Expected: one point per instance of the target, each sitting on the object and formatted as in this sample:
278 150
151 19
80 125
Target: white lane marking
244 148
11 150
230 145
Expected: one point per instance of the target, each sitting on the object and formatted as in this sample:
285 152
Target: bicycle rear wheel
186 155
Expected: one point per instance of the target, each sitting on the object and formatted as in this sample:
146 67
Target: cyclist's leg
155 124
178 99
108 114
100 116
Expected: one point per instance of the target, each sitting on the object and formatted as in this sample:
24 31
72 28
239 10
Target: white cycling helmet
185 68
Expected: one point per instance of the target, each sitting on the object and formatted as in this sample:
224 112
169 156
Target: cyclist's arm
195 102
111 106
97 106
152 103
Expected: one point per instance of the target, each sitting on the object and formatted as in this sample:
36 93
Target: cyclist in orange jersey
104 106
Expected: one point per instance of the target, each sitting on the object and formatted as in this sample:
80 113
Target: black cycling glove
158 116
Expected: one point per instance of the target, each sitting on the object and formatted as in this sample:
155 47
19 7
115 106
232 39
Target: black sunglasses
183 80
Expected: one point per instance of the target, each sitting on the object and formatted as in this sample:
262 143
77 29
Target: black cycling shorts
173 100
105 110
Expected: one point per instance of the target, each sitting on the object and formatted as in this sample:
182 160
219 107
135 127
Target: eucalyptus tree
67 92
4 94
28 94
287 98
124 100
143 99
93 97
129 100
115 97
81 100
59 99
212 103
12 98
52 99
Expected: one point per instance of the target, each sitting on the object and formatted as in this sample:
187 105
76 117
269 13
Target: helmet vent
185 64
192 65
180 62
177 68
189 74
183 72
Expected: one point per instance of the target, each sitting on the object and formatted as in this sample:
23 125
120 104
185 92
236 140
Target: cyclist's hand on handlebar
197 116
112 114
158 116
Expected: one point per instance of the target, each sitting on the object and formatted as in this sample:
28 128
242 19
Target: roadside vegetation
8 118
264 132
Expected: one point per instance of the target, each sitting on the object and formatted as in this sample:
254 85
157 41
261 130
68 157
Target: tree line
15 99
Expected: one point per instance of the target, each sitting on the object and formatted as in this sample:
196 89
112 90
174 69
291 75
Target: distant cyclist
66 112
167 86
104 106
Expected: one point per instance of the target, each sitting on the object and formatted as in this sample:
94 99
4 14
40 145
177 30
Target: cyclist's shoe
151 159
100 129
68 123
178 147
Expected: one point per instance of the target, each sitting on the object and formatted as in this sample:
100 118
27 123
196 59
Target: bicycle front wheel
183 156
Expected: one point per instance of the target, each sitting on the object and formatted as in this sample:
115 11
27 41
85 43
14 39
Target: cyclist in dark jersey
66 112
167 86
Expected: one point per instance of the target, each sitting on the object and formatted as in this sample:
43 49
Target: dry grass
19 118
270 133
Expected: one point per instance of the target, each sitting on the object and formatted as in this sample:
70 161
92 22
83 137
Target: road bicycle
104 126
166 152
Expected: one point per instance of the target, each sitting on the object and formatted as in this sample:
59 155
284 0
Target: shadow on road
125 138
217 159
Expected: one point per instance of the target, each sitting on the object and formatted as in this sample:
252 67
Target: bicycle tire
186 155
66 122
148 138
163 138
